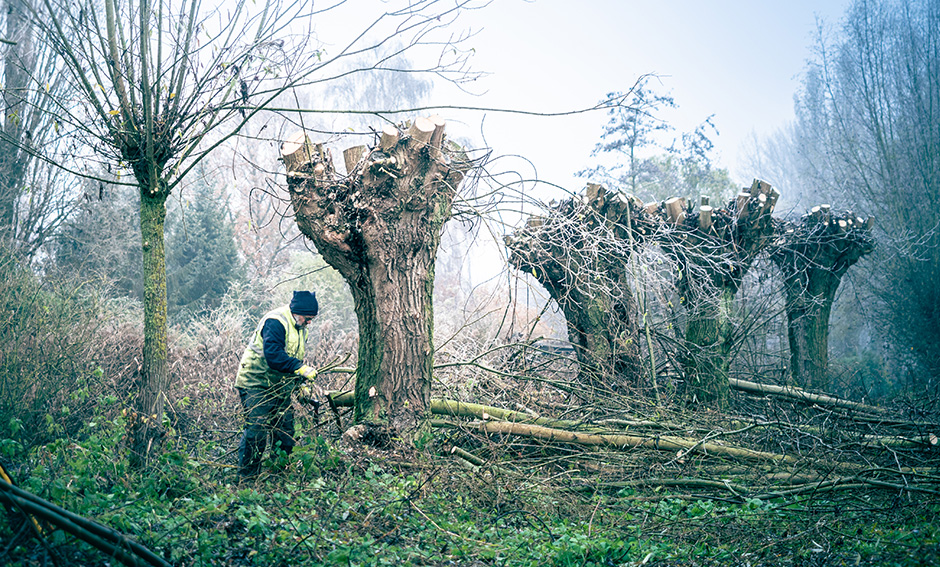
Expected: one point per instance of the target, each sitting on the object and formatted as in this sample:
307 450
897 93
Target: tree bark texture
813 255
579 253
154 373
380 227
714 249
709 340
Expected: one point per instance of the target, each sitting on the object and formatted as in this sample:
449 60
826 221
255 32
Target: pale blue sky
739 60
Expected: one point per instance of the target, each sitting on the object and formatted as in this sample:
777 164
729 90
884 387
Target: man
271 367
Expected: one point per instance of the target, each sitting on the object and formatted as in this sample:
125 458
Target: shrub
46 379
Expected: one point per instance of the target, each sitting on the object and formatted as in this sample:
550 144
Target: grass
338 506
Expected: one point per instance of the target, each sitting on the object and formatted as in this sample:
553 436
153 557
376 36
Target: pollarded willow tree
813 255
579 251
714 249
380 227
161 83
868 118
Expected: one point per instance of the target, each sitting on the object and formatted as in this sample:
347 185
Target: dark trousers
264 411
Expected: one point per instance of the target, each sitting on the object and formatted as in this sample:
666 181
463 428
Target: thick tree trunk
808 309
714 250
380 227
393 298
146 431
708 337
579 253
813 256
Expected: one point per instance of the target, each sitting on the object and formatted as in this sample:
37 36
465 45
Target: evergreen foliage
101 242
202 256
645 162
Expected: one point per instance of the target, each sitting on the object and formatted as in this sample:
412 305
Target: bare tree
868 121
714 249
579 251
34 197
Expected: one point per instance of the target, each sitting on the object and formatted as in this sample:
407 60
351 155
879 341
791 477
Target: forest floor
516 502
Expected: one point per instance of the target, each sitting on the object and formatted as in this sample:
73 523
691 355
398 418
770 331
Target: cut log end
389 138
421 131
705 218
352 156
675 209
295 151
437 137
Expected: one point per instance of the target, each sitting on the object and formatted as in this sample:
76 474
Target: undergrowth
338 506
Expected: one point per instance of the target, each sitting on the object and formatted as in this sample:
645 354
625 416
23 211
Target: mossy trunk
604 333
808 329
709 339
394 306
146 427
579 252
813 256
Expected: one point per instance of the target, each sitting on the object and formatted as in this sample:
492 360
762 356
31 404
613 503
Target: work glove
307 372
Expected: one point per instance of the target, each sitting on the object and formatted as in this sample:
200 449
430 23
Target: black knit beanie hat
304 303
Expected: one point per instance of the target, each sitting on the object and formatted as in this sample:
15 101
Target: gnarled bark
813 255
714 250
579 253
380 227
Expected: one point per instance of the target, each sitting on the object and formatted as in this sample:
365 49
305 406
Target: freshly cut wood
421 131
661 443
593 191
801 395
898 441
675 210
295 151
741 205
705 218
389 138
352 156
774 195
437 137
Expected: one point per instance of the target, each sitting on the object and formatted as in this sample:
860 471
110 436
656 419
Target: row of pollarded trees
583 252
379 225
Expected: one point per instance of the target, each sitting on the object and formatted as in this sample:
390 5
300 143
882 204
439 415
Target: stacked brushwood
824 445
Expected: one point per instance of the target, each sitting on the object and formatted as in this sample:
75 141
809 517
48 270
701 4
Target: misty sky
736 59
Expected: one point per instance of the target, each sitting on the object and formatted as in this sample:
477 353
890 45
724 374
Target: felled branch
109 541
